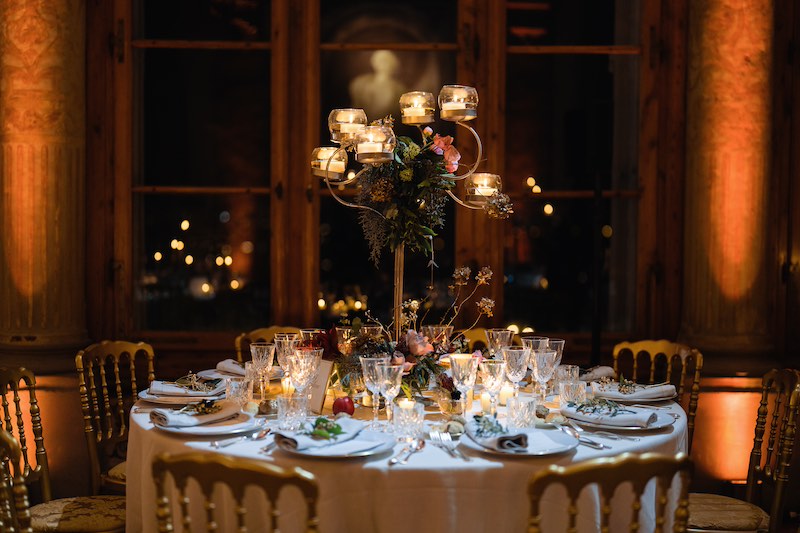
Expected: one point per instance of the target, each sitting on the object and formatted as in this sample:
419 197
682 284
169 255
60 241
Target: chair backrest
475 337
242 342
664 361
15 516
14 382
110 376
768 472
209 470
607 473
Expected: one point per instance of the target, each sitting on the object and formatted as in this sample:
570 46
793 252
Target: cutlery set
443 440
409 450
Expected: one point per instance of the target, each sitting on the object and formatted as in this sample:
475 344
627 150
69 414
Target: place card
319 387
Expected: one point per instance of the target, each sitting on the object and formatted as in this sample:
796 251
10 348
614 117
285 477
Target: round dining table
432 492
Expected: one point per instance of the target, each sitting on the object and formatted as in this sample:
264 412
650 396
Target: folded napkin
624 416
176 418
231 367
169 388
640 392
298 441
598 372
506 442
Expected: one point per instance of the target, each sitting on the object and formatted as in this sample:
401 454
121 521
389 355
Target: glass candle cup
458 103
344 124
481 186
409 418
239 390
521 412
571 392
416 107
292 411
375 144
328 163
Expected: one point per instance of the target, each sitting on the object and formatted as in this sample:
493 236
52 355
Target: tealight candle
458 103
286 386
344 124
328 162
481 186
416 107
486 403
369 148
505 393
375 144
406 403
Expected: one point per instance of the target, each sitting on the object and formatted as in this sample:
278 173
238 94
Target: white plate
237 425
174 400
213 373
540 442
383 443
634 400
663 419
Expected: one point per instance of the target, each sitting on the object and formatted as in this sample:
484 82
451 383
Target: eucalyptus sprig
599 406
204 407
488 426
323 429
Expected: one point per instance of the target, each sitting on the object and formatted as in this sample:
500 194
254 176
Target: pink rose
427 131
440 144
479 355
399 359
451 158
417 344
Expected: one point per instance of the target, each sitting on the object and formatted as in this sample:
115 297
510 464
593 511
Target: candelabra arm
480 152
460 202
349 204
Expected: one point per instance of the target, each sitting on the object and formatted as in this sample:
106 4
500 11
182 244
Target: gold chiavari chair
261 334
15 515
90 514
475 337
608 473
769 467
664 361
108 386
209 470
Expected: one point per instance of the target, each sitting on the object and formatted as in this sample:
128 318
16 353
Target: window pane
574 22
368 21
225 284
206 20
206 118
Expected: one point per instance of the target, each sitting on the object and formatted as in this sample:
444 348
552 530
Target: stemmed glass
544 364
437 333
391 376
372 380
498 338
285 344
311 337
516 359
303 370
494 375
533 344
464 367
558 346
263 355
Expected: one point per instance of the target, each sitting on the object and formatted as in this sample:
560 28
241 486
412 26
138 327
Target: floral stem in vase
399 266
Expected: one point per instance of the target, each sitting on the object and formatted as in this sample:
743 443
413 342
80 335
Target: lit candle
505 393
406 403
452 106
486 403
349 127
415 112
286 386
369 147
485 191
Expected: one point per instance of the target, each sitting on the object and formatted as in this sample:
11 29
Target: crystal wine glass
464 367
263 355
534 343
391 376
285 344
494 375
544 364
497 339
303 368
558 346
516 359
369 366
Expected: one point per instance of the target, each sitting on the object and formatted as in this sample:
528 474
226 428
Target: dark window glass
225 285
206 118
205 20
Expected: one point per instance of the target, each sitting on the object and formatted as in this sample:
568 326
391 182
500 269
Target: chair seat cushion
715 512
118 473
85 514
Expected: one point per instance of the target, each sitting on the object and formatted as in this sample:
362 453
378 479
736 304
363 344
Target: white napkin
625 417
166 388
641 392
598 372
507 442
297 441
231 367
174 418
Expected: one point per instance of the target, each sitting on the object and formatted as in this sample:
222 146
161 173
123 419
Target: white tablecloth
433 492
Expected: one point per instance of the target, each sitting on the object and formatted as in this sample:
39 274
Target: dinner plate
382 443
540 442
174 400
242 423
636 400
213 373
663 419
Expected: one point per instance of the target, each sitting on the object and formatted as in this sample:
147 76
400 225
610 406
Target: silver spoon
415 447
255 436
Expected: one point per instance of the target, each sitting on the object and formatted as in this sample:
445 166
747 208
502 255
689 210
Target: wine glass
391 376
534 343
494 375
303 367
558 346
263 355
497 338
372 380
437 334
516 359
544 364
464 367
285 344
311 337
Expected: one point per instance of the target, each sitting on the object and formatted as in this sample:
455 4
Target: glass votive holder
417 107
292 409
344 124
409 418
571 392
328 163
239 390
481 186
375 144
521 412
458 103
567 373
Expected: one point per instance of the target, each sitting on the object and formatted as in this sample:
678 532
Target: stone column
42 175
727 277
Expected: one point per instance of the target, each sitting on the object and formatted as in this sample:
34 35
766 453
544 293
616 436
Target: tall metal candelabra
374 145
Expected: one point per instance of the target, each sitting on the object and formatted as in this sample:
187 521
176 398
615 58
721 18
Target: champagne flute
516 359
263 355
369 366
391 376
494 375
544 364
497 339
464 367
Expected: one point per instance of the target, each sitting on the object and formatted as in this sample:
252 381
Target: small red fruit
344 405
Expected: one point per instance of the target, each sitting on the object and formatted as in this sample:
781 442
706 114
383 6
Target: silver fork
437 440
606 434
451 446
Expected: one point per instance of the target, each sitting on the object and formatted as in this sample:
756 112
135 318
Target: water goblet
516 359
497 339
464 367
263 355
391 377
544 364
369 366
284 347
437 333
494 375
304 366
558 346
